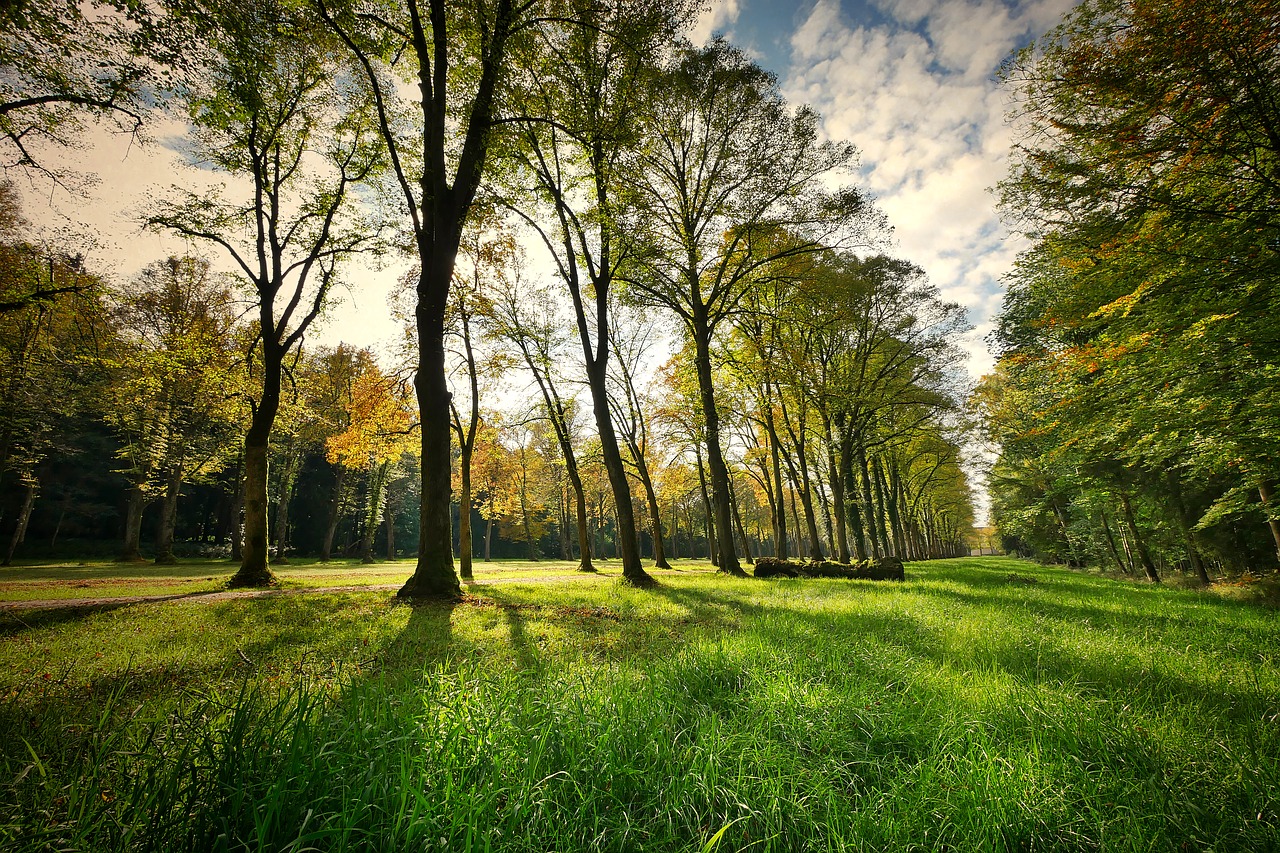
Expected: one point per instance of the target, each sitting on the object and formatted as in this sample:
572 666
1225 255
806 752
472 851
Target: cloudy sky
910 82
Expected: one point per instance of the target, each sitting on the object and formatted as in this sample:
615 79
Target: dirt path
212 596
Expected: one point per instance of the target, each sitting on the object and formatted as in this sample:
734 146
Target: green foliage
1139 334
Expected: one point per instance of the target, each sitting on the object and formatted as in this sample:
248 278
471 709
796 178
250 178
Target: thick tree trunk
434 577
253 569
719 472
706 507
168 518
836 480
135 502
24 517
1144 557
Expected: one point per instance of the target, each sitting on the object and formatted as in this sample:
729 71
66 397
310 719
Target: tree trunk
433 576
253 569
135 502
719 472
849 487
1111 544
24 516
465 544
488 539
655 513
336 500
869 515
580 510
1143 555
834 476
737 523
288 478
168 518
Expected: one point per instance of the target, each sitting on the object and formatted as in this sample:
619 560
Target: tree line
802 396
1134 403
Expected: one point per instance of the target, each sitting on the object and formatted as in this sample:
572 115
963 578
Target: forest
648 313
1134 401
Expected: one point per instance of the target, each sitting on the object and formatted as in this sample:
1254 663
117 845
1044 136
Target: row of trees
655 175
1134 401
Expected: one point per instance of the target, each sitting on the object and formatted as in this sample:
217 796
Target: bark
837 494
465 544
706 506
135 502
1144 556
882 509
775 456
253 569
488 539
742 531
168 518
869 517
288 479
24 516
1111 544
433 576
849 487
716 468
655 512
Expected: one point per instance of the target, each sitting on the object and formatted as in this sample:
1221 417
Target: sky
912 83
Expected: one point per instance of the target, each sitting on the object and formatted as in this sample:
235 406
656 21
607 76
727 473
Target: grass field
984 704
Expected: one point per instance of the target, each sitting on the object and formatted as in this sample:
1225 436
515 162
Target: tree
173 402
731 183
527 317
50 362
273 112
1146 175
63 61
461 56
584 113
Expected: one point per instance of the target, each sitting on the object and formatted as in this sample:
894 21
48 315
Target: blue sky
912 83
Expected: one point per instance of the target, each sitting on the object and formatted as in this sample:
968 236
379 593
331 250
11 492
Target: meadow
982 704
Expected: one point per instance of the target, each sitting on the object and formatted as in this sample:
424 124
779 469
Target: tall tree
273 112
585 111
174 400
731 182
461 56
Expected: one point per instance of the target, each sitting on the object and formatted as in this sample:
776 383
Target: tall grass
981 705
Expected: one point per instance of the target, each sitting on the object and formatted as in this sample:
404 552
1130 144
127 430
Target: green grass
49 580
984 704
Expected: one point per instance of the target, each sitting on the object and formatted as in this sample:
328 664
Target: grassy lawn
33 581
984 704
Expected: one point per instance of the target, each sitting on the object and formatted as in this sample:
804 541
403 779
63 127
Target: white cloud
919 99
718 17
